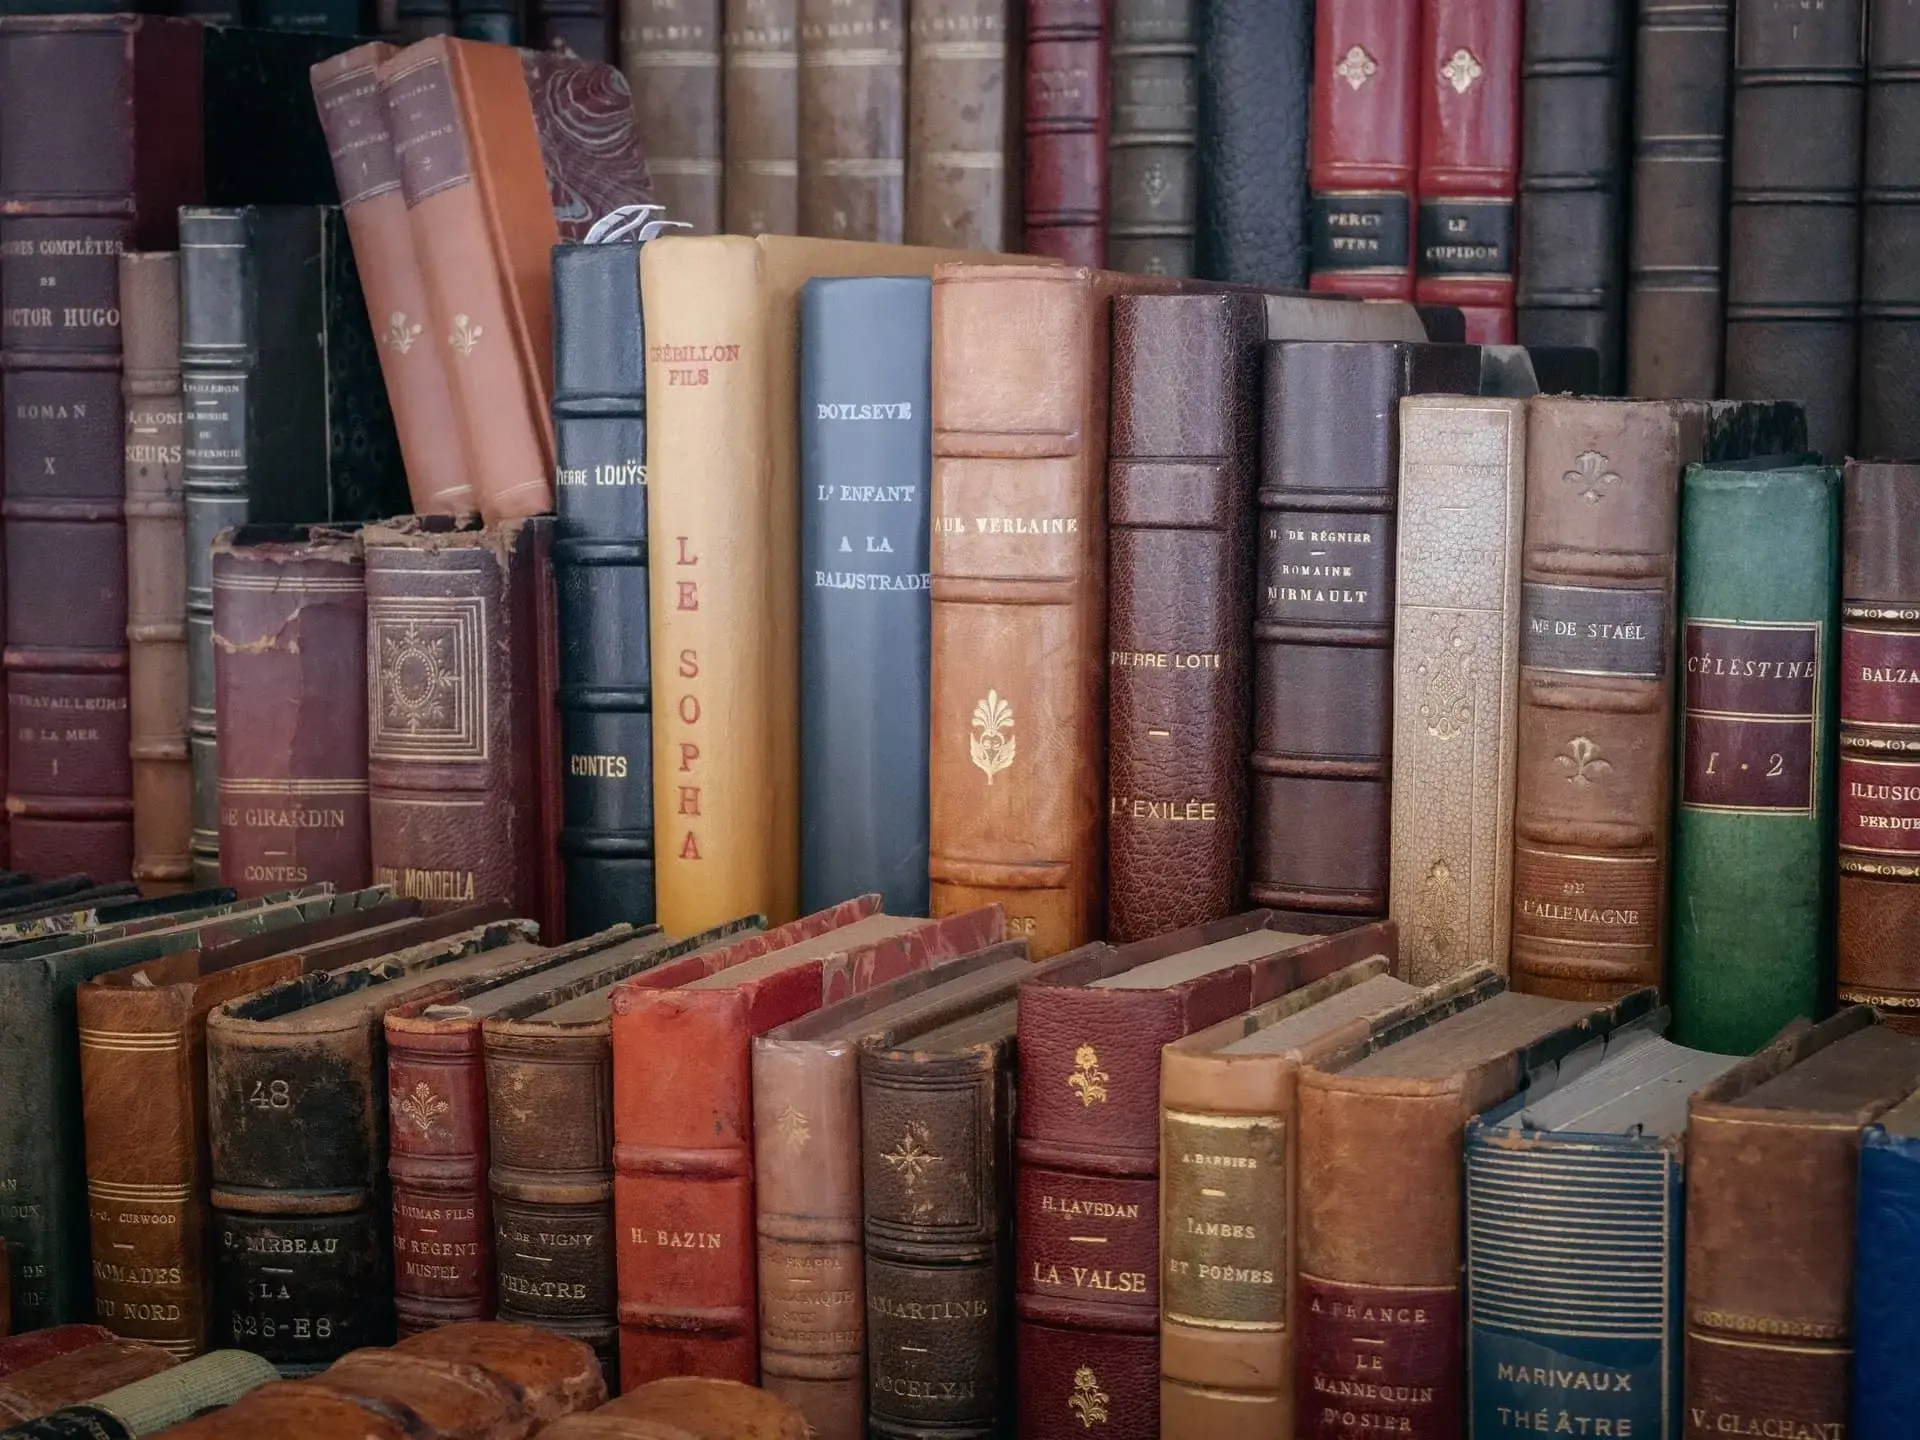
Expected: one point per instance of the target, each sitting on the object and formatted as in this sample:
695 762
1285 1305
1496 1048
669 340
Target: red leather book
1066 129
1469 161
23 1351
1366 115
683 1172
1086 1197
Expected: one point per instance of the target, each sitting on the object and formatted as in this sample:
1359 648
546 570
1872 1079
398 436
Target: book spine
726 820
1574 96
761 167
307 17
585 28
670 52
40 1204
1593 1295
853 119
1793 226
1890 232
1018 559
290 682
865 615
156 571
1469 162
1366 118
1676 275
963 125
1879 764
1753 827
550 1139
935 1173
1886 1387
1456 672
153 1405
1596 699
492 22
360 141
1182 474
600 571
1065 129
419 19
30 1347
76 1376
1151 149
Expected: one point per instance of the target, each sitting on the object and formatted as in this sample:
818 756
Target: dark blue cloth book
1886 1279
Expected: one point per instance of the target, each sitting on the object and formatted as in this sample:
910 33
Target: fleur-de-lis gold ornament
991 739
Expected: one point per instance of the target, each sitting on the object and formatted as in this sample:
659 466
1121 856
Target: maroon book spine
290 697
99 147
1066 129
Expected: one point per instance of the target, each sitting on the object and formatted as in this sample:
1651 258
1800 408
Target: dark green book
1753 830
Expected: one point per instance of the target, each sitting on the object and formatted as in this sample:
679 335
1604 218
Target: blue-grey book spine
600 573
866 619
1886 1322
1573 1284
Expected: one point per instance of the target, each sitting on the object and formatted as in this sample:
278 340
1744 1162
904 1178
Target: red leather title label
1879 677
1879 809
1089 1238
1750 704
1377 1362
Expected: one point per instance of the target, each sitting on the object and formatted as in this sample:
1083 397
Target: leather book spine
936 1172
29 1347
155 1404
853 119
418 19
1151 149
453 773
78 1375
1182 476
1367 69
1676 263
1879 765
761 161
1254 70
156 571
290 686
1573 100
1614 1241
1064 184
586 28
670 51
1456 675
1753 824
865 615
963 125
1886 1386
1890 234
298 1409
1324 611
1469 162
360 139
1595 734
1793 224
601 579
493 22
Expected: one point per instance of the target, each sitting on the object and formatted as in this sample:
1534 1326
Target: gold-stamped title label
1224 1230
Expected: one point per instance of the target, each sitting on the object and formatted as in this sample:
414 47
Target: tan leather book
670 53
1229 1157
761 186
1773 1160
553 1376
963 124
1456 660
353 114
687 1407
77 1375
723 515
297 1407
853 119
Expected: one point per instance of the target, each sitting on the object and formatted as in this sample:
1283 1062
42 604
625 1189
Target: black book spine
1890 238
495 21
866 619
600 573
1254 74
308 17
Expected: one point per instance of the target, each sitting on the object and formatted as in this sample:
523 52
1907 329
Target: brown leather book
1380 1245
1595 735
297 1407
1773 1152
462 768
1323 615
670 52
761 180
1879 749
853 119
77 1375
1456 678
687 1407
156 570
1229 1183
290 687
553 1376
29 1348
346 89
963 125
503 153
143 1088
806 1141
1064 119
438 1396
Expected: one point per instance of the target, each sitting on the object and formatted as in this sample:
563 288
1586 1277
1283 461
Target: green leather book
1753 827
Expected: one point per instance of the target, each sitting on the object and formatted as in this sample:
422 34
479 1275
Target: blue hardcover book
1574 1245
866 446
1886 1320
